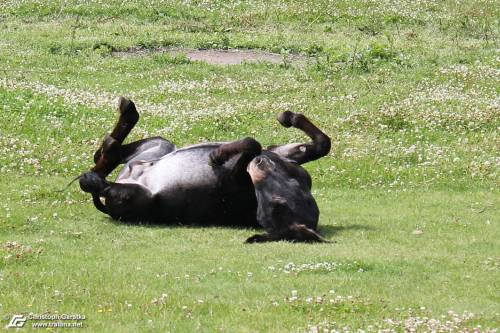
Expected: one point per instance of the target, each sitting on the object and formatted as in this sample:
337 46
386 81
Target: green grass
407 90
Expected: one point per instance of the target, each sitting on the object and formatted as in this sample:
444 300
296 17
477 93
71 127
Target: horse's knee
322 145
107 157
252 145
248 147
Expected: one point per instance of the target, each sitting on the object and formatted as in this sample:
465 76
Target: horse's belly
178 173
187 189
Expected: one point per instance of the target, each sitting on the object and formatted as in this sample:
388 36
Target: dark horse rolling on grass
223 183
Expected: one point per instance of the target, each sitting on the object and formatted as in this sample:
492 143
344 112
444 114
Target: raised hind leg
108 156
122 200
248 148
113 152
302 152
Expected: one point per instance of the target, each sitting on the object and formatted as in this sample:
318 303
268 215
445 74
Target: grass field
408 91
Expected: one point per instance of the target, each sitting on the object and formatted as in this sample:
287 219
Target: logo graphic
17 321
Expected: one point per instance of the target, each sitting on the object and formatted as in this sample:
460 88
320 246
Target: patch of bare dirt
222 57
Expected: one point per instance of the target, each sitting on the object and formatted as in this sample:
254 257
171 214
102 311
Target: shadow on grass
153 224
331 230
325 230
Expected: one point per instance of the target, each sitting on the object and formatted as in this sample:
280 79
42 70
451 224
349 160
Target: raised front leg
302 152
247 147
